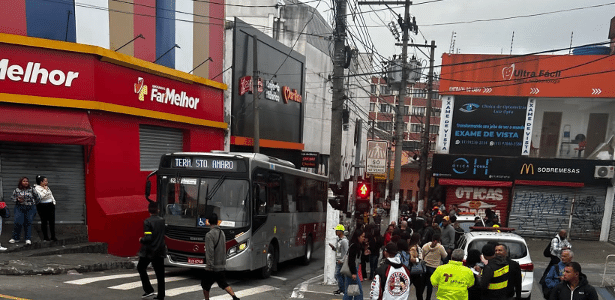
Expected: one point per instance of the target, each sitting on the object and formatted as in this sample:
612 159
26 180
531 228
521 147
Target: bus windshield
190 201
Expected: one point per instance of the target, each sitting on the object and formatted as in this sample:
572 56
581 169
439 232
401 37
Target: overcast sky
531 34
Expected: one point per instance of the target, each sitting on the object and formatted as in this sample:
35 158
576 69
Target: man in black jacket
495 276
574 286
514 283
153 249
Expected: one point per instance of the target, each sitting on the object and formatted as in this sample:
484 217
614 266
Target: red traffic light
363 190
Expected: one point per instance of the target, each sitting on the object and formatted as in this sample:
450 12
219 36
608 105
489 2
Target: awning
550 183
465 182
45 125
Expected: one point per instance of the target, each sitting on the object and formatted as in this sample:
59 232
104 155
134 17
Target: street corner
315 288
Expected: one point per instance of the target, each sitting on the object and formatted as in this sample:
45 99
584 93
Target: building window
416 127
385 108
154 141
385 90
405 110
372 106
433 129
435 112
386 126
373 89
418 111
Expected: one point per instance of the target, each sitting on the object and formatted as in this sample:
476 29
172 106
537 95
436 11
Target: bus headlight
237 249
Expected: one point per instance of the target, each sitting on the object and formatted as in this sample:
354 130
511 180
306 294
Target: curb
18 267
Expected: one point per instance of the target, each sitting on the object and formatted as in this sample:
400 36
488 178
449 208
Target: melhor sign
376 157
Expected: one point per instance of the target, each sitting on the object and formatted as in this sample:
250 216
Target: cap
435 207
391 248
339 227
446 218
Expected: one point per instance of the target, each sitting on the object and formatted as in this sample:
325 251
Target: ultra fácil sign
34 73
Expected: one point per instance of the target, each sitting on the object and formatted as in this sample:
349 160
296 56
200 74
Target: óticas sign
246 84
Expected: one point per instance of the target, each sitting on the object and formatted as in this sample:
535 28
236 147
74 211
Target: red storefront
478 195
94 122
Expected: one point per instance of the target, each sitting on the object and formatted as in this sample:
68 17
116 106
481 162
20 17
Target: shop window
155 141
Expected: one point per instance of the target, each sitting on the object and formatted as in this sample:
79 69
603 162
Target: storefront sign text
245 85
35 74
292 95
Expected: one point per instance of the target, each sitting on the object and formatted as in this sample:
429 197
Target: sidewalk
71 252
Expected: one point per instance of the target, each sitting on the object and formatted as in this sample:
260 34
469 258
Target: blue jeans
373 265
348 281
24 214
339 277
429 271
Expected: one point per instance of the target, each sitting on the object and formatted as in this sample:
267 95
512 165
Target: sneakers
12 241
28 242
2 248
147 295
337 292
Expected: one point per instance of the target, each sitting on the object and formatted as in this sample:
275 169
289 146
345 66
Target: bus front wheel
270 262
309 246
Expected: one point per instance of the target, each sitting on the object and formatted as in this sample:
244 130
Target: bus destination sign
209 164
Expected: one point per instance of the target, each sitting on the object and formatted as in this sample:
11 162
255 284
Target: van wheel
270 262
309 247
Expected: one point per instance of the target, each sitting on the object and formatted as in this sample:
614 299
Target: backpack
547 251
543 283
404 257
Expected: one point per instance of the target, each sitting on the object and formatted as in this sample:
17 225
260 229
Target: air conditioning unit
604 172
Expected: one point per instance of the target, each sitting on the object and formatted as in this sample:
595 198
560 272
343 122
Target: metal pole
357 166
255 94
425 138
339 57
399 121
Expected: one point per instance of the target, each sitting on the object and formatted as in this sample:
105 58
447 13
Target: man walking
215 259
558 243
556 273
514 283
574 285
392 280
453 279
495 275
153 250
341 249
448 237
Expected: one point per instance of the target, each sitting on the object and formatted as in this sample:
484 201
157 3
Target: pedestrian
153 250
453 279
556 273
474 262
46 208
341 249
427 232
375 243
4 213
574 285
433 254
392 280
402 252
495 275
416 256
215 259
515 281
388 234
448 236
558 243
354 253
25 198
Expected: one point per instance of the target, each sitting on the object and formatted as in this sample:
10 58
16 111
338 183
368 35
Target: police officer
495 275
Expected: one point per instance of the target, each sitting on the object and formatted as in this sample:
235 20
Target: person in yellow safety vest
453 279
495 275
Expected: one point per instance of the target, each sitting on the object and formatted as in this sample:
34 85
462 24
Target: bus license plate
192 260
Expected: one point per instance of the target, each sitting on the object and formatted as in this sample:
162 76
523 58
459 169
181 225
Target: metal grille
540 211
156 141
61 164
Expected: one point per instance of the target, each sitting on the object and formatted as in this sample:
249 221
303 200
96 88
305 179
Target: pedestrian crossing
131 281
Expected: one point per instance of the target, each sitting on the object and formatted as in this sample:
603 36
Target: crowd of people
421 252
28 200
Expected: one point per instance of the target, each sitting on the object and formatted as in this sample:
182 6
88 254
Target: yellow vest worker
453 279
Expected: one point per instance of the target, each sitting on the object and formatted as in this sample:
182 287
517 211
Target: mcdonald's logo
527 169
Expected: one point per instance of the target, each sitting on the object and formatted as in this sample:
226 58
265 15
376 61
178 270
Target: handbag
353 290
418 268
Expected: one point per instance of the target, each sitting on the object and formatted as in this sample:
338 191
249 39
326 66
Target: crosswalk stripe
247 292
137 284
185 289
103 278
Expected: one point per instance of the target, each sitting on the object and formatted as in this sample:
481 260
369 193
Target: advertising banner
476 199
309 160
488 125
473 167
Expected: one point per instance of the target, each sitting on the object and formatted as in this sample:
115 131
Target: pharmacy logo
141 89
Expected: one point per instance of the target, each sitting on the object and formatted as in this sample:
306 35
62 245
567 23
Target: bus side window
260 203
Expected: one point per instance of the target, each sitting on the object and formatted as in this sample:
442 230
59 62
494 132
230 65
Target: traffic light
340 200
363 190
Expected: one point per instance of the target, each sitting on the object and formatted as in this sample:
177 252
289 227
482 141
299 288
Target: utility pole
425 138
255 94
357 165
339 58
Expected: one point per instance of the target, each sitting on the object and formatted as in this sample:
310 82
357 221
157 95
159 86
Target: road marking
137 284
247 292
185 289
11 297
303 287
102 278
278 278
